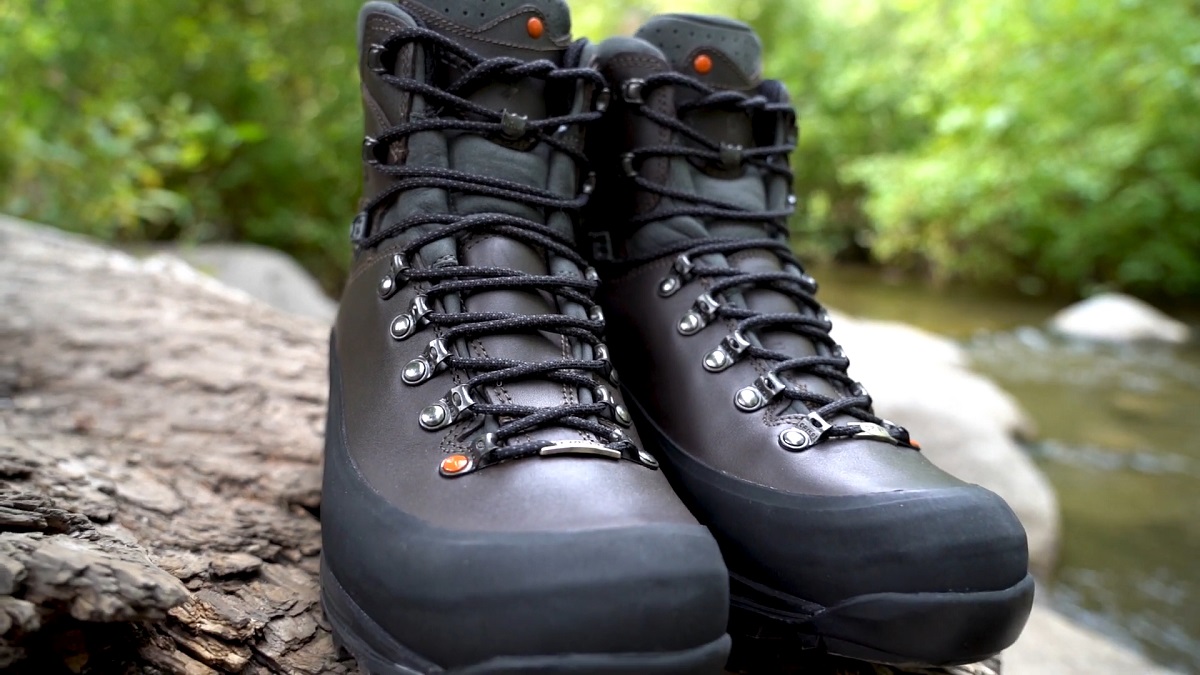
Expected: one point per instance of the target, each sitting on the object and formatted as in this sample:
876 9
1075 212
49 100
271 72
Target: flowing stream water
1119 437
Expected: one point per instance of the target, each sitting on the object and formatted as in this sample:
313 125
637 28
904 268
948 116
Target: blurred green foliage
160 119
1045 143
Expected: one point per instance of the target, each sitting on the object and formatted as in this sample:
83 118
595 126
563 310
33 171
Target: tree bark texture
160 444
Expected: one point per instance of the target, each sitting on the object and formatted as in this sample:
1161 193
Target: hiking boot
837 531
486 506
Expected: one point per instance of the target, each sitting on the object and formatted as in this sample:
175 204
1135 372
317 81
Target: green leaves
986 140
1003 138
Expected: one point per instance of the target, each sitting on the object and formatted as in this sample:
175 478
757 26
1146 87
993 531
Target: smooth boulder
263 273
1115 317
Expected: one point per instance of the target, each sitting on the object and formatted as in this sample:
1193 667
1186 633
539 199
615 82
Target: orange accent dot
535 27
455 464
702 63
913 442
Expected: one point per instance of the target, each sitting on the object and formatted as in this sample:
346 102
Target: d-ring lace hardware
702 312
427 364
681 273
759 394
404 325
807 431
727 353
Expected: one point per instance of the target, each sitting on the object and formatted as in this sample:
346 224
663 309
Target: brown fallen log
160 441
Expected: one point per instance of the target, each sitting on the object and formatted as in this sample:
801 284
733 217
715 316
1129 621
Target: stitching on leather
366 262
375 108
449 26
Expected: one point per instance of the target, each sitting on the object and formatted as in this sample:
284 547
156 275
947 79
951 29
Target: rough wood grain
159 470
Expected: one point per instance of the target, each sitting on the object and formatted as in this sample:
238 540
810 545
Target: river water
1119 437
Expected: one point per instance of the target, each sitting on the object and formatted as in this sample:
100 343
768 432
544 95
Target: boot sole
902 629
378 653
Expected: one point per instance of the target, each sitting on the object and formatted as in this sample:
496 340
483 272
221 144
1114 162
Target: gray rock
1114 317
965 423
1054 645
264 273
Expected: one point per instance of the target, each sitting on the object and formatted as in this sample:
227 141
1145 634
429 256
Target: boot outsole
902 629
379 653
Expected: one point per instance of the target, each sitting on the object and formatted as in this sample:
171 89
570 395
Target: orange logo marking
535 27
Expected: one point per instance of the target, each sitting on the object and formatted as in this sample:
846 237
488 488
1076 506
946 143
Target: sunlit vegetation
1045 144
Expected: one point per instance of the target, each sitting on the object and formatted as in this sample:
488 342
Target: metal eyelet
690 324
595 313
621 414
627 165
399 263
647 459
591 274
727 353
513 125
487 443
791 201
428 364
759 394
717 360
684 266
375 59
631 91
589 183
748 399
731 155
369 154
603 395
388 285
681 273
434 417
600 353
602 99
404 325
706 306
808 431
702 312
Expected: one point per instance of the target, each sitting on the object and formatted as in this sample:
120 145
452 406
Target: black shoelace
458 114
812 321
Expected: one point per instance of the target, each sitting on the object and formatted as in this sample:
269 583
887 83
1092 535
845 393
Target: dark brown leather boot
836 530
486 506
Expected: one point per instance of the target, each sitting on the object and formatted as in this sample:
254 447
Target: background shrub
1050 143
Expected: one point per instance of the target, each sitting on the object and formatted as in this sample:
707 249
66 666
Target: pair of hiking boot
536 210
